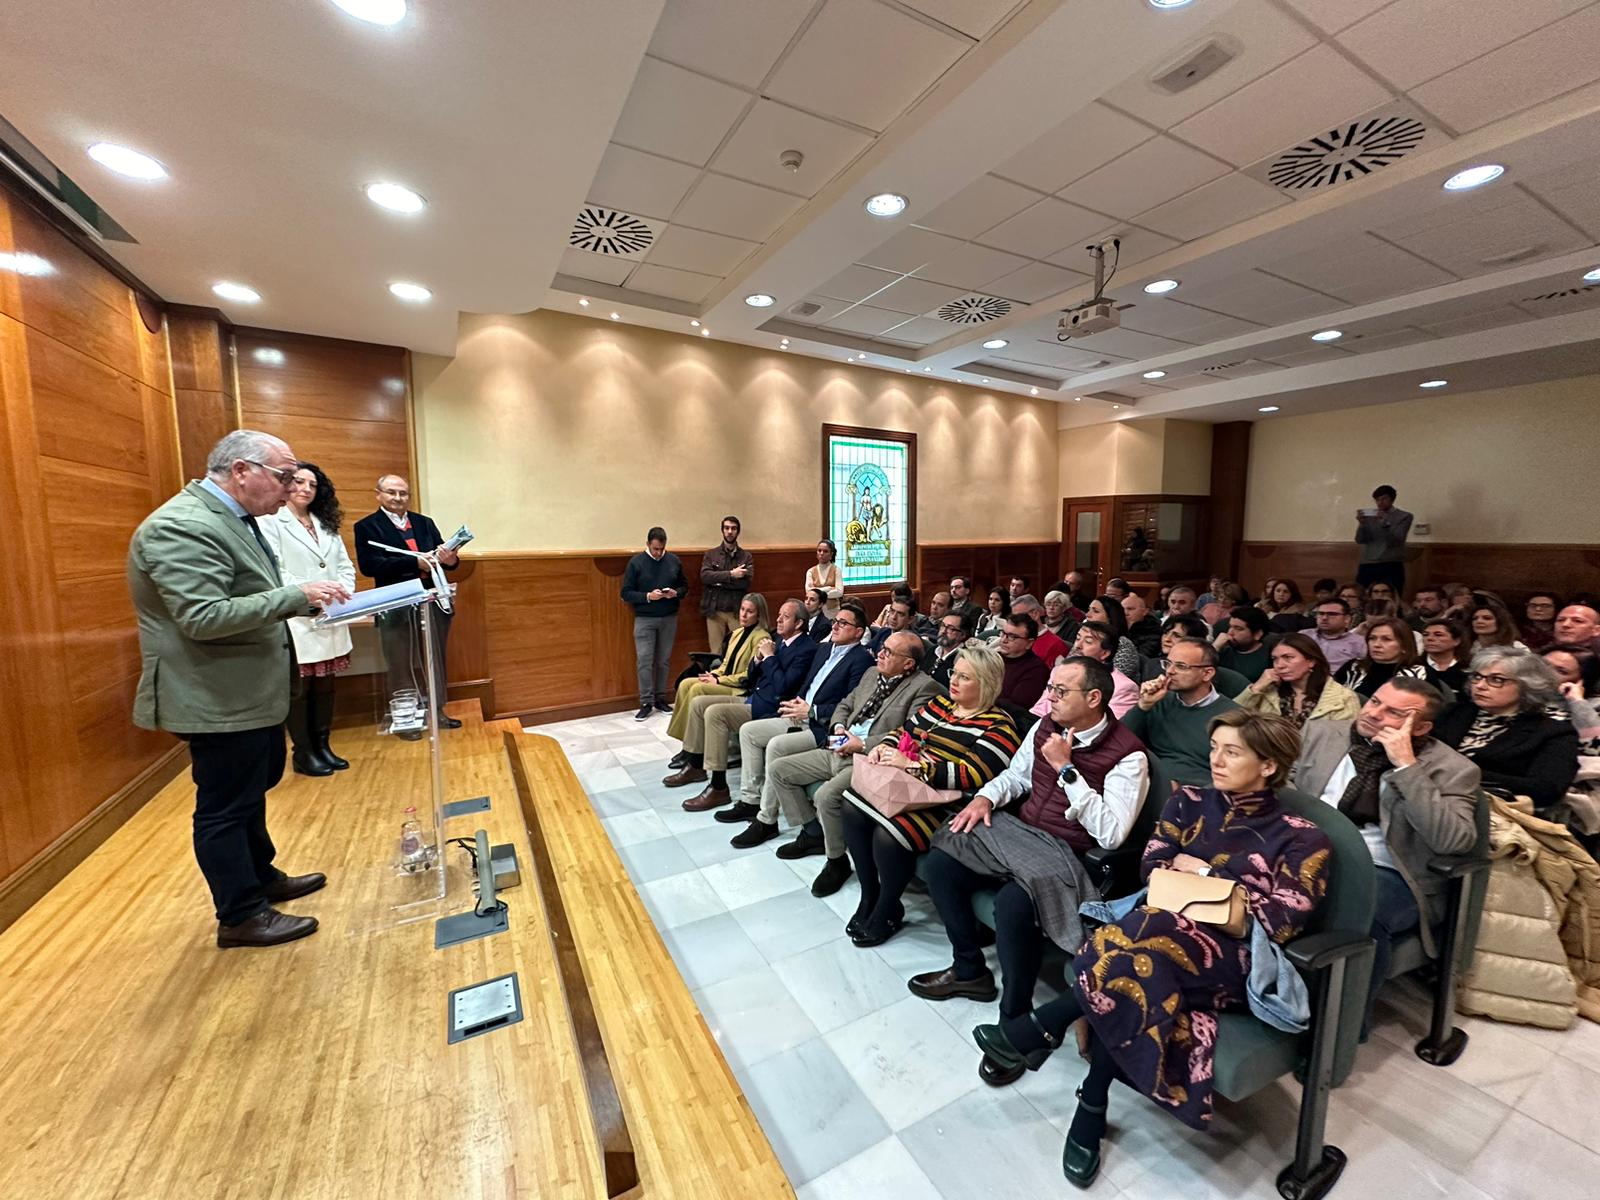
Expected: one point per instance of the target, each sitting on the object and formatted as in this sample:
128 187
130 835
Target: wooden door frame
1106 507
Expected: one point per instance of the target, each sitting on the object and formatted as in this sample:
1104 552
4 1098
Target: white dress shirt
1108 815
1372 834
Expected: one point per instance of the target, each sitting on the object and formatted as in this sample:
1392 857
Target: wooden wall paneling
202 375
1230 477
81 406
77 302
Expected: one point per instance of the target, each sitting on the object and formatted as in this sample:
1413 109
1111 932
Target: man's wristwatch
1067 774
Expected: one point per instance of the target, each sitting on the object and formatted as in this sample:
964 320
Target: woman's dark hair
1005 600
1402 633
325 504
1115 617
1192 624
1505 629
1461 633
1306 648
833 551
1294 589
1588 665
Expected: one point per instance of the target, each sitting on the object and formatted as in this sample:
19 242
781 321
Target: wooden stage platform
140 1061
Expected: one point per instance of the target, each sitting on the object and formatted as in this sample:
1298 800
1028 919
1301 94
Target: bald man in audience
1578 624
1180 600
1144 629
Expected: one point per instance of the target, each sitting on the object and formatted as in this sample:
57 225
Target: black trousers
1019 942
1393 573
233 772
401 634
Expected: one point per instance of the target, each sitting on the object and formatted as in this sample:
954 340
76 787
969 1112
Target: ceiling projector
1098 314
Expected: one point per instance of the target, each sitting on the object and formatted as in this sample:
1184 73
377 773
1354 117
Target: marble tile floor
868 1092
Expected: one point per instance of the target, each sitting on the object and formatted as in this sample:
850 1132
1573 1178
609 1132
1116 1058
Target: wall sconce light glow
411 293
20 262
583 302
395 197
616 316
268 356
886 204
1161 287
1328 335
996 344
127 162
1593 276
1268 408
377 12
1155 374
759 300
236 292
1434 383
1465 181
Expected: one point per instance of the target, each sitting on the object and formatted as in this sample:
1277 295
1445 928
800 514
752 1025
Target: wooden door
1088 541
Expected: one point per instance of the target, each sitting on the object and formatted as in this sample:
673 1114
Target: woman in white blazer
304 534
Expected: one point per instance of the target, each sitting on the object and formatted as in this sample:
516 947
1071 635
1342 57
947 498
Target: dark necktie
255 532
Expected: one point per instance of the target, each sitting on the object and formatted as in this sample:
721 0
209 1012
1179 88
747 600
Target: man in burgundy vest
1080 779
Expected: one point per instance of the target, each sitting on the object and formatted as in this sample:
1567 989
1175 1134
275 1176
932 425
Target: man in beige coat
215 659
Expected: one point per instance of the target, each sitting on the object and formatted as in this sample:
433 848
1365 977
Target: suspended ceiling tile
696 250
771 128
598 268
1316 356
827 309
738 41
1544 64
645 185
1082 142
1217 205
1501 222
1334 15
914 296
1572 193
1413 41
1071 356
1371 343
1150 174
970 267
864 318
921 331
1253 296
975 18
910 249
667 281
1477 322
1360 269
1046 227
1174 319
677 113
979 206
1129 343
1035 282
1303 98
1137 245
1266 38
863 62
856 282
737 208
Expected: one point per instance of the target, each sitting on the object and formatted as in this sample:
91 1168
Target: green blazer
212 609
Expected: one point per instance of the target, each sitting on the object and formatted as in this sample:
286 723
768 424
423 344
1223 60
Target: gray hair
1026 602
1538 686
1058 597
248 445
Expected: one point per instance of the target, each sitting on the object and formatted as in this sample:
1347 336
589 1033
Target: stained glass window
869 504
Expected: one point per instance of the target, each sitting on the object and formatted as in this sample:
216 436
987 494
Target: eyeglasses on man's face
842 623
1007 636
284 476
884 649
1056 692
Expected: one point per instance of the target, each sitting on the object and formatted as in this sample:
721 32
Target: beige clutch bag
1203 898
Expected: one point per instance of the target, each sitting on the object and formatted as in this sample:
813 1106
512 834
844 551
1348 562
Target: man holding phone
654 583
1381 533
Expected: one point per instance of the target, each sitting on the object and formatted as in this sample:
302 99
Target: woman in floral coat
1151 984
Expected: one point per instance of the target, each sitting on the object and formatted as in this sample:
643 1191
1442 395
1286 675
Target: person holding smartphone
1381 533
654 583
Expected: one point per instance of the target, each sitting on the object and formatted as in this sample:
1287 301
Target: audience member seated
1180 600
1046 645
1514 724
1333 635
1017 586
836 667
1391 652
725 683
1243 648
1076 587
1578 669
953 632
961 741
1081 779
1285 609
1228 682
898 616
1354 596
1322 589
776 672
1144 628
995 614
1298 686
1094 642
1492 624
882 702
1578 624
1173 715
1024 671
1117 588
1412 797
1426 604
1058 616
818 623
1539 623
1213 592
1215 615
927 626
1457 600
961 597
1108 610
1446 650
1150 985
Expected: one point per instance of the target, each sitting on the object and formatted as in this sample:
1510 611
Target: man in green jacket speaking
215 670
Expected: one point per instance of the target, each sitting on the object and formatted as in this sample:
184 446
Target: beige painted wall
553 432
1130 458
1511 465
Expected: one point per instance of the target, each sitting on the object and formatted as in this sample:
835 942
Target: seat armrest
1317 951
1099 856
1457 866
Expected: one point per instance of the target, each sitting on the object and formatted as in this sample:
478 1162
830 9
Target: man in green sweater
1245 648
1176 708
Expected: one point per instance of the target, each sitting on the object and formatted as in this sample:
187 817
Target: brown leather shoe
292 887
268 928
690 774
712 797
943 985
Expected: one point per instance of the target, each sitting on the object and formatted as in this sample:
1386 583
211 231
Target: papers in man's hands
458 539
371 602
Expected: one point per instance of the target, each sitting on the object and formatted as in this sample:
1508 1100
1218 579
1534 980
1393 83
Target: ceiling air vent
806 308
1197 65
612 233
1346 152
1218 368
1588 289
973 309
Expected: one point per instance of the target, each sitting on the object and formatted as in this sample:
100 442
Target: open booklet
371 602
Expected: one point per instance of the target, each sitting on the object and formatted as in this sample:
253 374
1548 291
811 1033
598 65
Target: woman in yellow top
1298 685
727 680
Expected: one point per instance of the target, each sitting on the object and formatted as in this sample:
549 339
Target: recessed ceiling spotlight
583 302
1155 374
694 322
886 204
22 263
1161 287
1328 335
1593 276
1116 406
996 344
1077 399
927 370
984 380
1033 391
616 316
1465 181
395 197
378 12
1434 383
1268 408
759 300
236 291
705 333
1168 3
411 293
126 162
268 355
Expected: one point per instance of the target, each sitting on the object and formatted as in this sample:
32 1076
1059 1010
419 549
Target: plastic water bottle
415 851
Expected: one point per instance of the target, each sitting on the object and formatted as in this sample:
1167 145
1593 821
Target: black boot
307 758
322 721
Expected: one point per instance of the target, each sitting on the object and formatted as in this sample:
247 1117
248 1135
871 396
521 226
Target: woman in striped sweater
962 741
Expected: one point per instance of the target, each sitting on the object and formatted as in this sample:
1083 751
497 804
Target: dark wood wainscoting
1511 570
546 637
